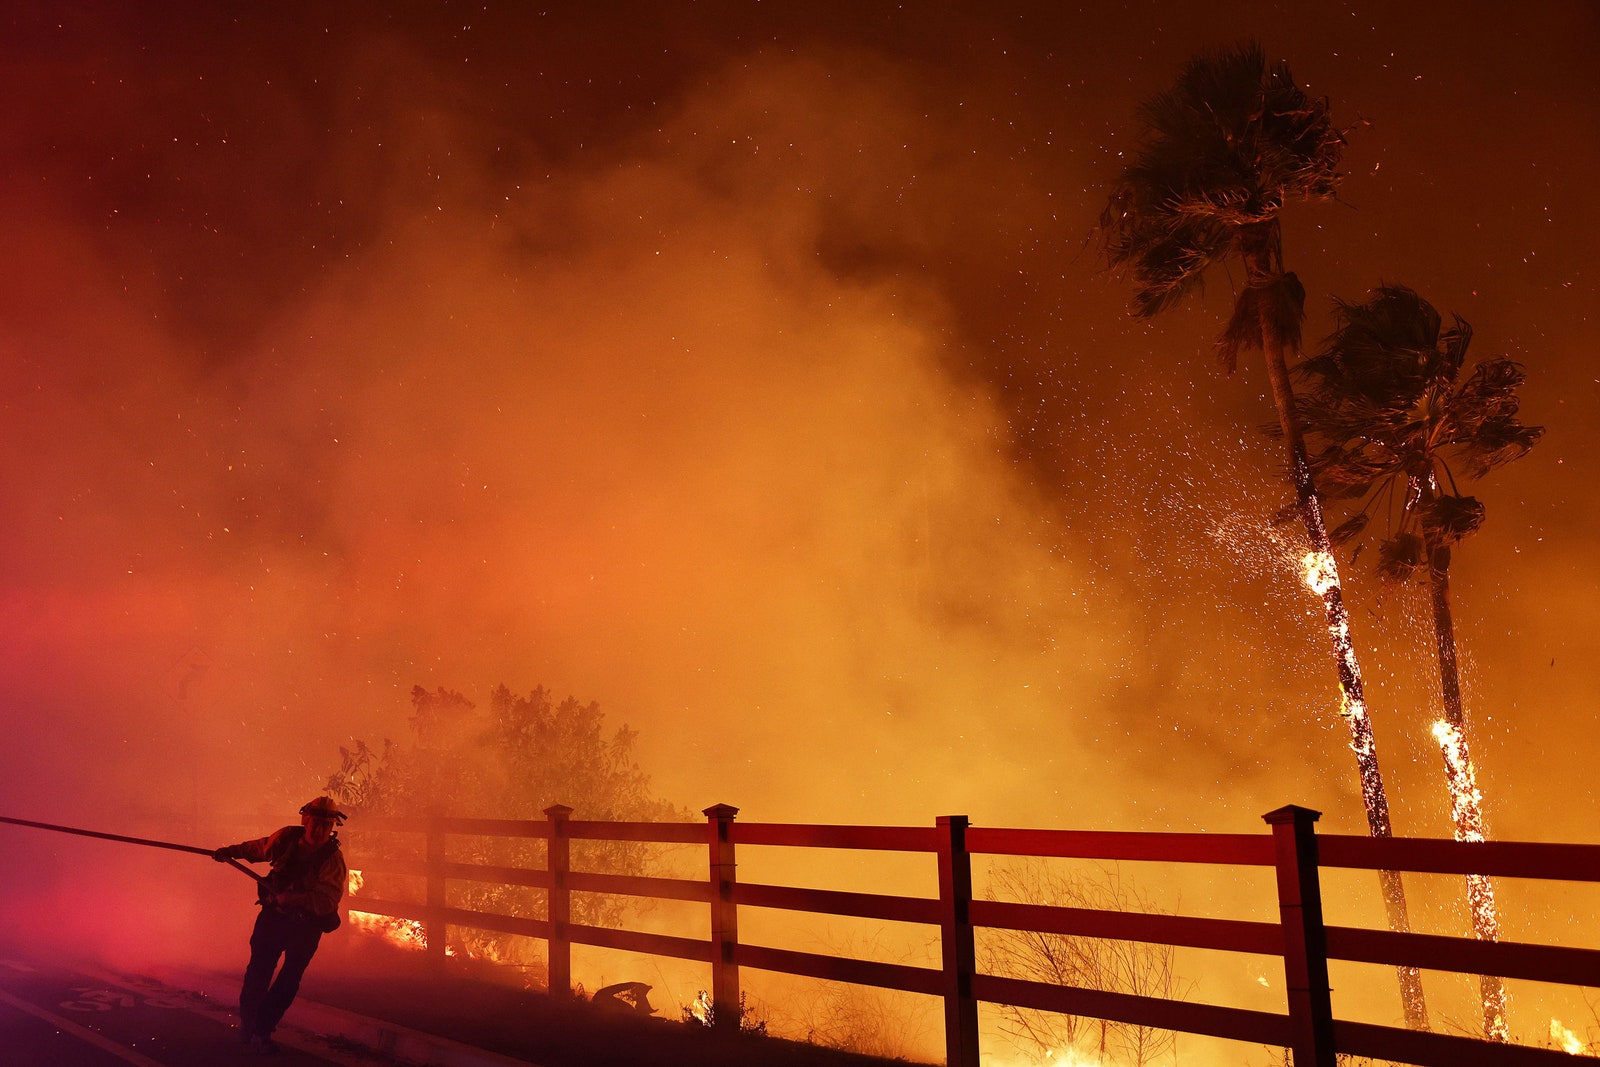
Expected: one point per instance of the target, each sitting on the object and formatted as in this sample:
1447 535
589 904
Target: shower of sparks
1466 813
1267 545
1252 543
791 416
1322 577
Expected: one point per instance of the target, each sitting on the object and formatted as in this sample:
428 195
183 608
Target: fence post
435 928
558 901
1305 942
956 943
724 921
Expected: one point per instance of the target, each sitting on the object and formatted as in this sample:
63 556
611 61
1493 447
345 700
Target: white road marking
82 1033
309 1042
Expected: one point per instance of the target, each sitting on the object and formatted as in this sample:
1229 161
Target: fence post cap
720 811
1291 813
558 811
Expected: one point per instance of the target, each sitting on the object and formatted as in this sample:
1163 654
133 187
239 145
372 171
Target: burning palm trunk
1466 812
1466 803
1263 259
1322 576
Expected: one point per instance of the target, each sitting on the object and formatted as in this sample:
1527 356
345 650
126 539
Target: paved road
58 1014
54 1015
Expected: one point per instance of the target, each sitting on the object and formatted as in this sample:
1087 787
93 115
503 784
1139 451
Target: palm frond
1453 344
1232 141
1484 426
1384 401
1280 300
1382 350
1400 556
1344 473
1243 331
1165 253
1349 529
1451 519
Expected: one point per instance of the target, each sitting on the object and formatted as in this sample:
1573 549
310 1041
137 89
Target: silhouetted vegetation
1222 152
1107 964
509 760
1403 422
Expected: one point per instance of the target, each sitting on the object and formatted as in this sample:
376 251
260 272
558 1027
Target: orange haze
752 376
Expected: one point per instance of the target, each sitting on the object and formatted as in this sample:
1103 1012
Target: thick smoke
777 409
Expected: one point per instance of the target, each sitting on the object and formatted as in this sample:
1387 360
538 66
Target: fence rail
1300 938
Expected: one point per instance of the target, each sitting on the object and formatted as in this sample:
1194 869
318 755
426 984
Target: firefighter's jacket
312 883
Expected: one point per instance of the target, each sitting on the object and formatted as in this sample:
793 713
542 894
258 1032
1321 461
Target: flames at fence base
701 1008
1565 1039
965 981
404 933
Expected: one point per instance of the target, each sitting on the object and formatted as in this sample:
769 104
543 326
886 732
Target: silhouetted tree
1232 142
1140 968
1402 422
511 760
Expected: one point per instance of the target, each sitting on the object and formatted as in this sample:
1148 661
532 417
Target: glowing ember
1466 812
1321 572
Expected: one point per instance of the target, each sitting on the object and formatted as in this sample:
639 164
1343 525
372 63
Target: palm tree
1224 150
1401 424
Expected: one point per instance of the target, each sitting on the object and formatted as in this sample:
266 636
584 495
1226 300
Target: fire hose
235 864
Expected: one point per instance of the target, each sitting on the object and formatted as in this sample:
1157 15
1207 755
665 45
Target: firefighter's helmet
323 808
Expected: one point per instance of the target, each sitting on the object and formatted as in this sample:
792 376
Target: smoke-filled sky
748 369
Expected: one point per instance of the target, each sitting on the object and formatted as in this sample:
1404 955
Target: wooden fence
1300 938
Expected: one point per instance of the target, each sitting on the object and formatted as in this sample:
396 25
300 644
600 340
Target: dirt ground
466 1004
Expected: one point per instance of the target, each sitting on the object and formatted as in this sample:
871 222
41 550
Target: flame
1466 812
1052 1057
1466 802
1322 577
405 933
413 933
1569 1041
1321 573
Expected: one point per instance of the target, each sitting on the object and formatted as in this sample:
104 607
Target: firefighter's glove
222 855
